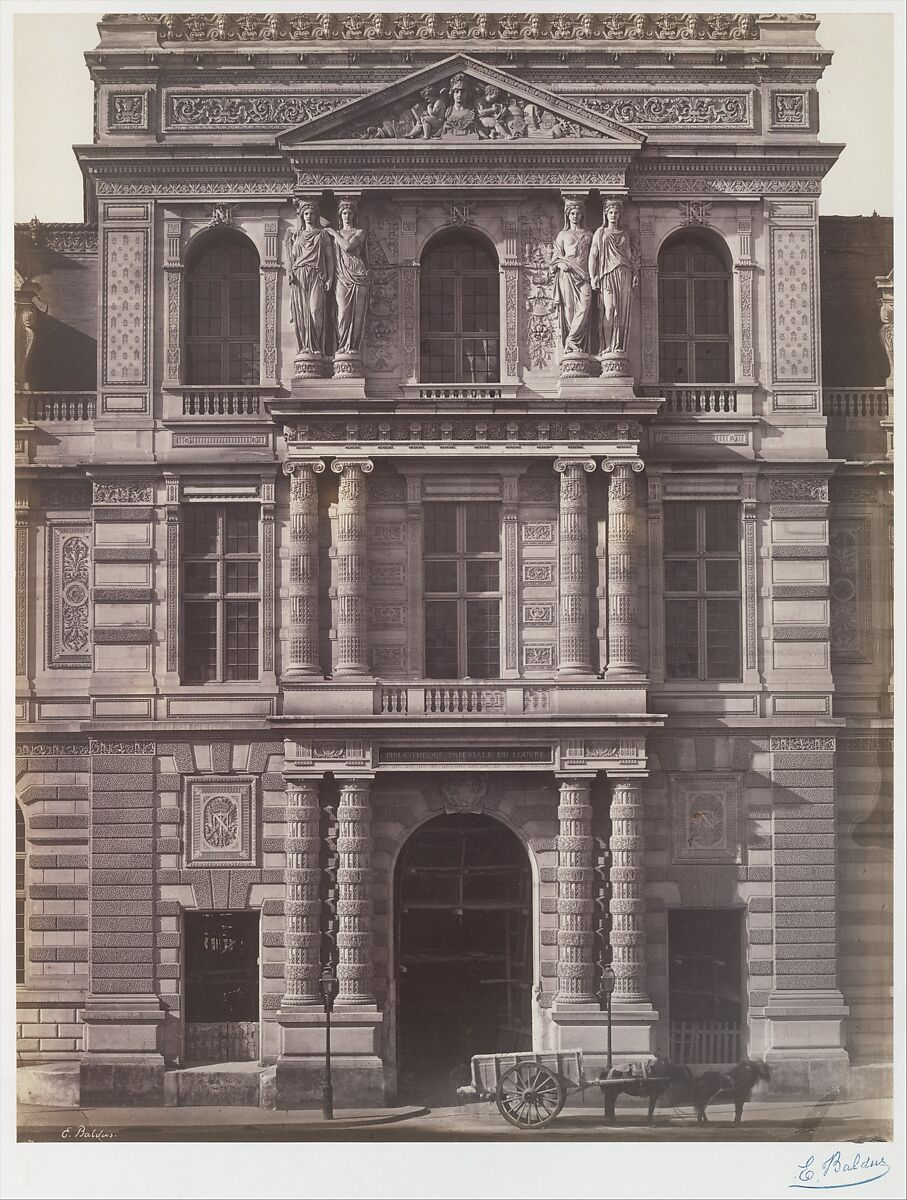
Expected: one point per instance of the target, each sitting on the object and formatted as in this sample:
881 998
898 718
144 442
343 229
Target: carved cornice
556 28
63 237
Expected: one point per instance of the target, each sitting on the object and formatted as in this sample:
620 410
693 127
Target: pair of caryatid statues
594 277
328 273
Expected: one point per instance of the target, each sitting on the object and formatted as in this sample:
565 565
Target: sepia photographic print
450 581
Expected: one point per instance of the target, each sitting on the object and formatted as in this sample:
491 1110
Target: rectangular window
462 581
221 569
702 589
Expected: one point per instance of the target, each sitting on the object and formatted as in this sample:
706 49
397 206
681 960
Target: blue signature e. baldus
850 1169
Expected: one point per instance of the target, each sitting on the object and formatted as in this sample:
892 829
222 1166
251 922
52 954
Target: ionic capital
297 466
365 465
611 464
563 464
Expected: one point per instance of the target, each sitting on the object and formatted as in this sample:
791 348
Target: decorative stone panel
705 824
69 583
221 822
793 304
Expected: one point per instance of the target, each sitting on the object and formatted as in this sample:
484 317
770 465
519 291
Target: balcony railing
459 391
221 402
59 406
695 398
870 404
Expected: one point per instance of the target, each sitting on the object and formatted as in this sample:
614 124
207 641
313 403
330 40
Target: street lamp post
606 988
329 989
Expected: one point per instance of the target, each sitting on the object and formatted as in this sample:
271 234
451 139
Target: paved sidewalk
802 1119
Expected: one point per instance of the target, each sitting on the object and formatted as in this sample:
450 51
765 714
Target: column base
805 1037
107 1080
122 1063
316 387
357 1070
585 1027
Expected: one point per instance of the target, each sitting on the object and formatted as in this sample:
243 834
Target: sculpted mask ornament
309 254
614 276
352 280
573 287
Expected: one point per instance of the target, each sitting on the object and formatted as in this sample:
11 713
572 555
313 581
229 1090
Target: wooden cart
531 1089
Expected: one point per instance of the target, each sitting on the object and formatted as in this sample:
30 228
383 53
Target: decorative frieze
703 110
461 27
253 112
628 904
354 905
798 487
575 937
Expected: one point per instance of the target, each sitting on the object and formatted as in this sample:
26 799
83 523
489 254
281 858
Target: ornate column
628 905
574 636
354 905
575 949
303 905
304 657
351 645
623 582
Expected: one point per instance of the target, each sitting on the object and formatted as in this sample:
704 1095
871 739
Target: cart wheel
529 1095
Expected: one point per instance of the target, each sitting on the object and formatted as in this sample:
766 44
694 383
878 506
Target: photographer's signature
849 1168
87 1133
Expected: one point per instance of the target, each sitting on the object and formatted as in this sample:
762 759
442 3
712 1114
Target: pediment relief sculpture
465 108
461 99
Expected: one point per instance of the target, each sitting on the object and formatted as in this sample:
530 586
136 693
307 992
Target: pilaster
806 1014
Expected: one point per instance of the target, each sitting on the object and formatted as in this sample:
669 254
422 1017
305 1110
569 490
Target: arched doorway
463 904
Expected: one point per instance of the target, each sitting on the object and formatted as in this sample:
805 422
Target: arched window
20 896
694 311
459 310
222 280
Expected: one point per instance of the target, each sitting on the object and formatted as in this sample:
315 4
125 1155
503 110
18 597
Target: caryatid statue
309 251
614 275
352 283
573 287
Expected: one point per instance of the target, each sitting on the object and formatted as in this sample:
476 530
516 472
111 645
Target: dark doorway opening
222 1006
705 985
464 952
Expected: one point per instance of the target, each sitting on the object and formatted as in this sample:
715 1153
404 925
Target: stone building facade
440 560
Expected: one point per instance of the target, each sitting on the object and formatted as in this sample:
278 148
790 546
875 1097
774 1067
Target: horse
648 1079
738 1082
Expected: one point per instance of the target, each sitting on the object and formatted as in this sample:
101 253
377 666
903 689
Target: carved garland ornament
360 27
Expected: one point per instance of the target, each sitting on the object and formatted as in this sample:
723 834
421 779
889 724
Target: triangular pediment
461 100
